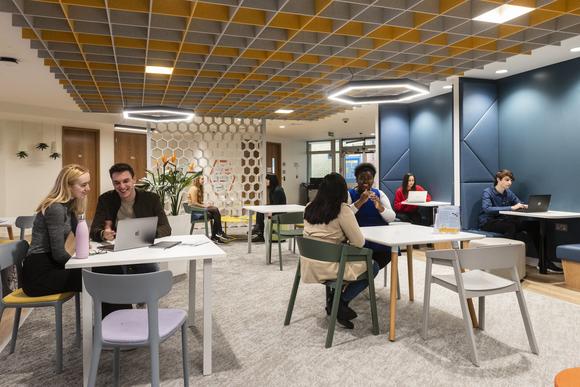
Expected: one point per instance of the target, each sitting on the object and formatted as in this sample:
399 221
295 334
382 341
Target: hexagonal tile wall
214 142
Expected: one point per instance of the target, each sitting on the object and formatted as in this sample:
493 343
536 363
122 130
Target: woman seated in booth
195 198
408 212
328 218
276 195
43 271
371 208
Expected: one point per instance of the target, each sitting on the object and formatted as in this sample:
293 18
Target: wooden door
131 148
274 159
81 146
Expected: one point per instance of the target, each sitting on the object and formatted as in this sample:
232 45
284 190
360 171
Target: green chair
13 254
283 228
341 253
199 214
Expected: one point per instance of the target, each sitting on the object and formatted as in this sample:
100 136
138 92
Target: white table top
7 221
269 209
432 203
543 215
412 235
150 255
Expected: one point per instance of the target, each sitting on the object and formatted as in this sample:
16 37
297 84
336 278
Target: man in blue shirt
500 198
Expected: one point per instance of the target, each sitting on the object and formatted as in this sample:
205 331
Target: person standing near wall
276 195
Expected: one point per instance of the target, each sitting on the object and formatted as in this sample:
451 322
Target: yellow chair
13 254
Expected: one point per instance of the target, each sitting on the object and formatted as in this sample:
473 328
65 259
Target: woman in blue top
371 207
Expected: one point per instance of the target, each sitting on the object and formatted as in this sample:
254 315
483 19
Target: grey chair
12 254
341 254
199 214
129 328
281 231
23 223
476 283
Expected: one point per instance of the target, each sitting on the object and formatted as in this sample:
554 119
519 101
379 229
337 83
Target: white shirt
388 214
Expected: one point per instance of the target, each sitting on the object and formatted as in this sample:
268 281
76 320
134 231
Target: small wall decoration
53 153
22 154
41 146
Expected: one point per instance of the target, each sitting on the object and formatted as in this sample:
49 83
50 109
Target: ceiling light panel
247 59
503 13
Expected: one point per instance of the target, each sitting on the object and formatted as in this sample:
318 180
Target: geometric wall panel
228 150
394 147
479 144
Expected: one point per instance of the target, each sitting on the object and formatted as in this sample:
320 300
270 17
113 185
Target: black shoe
552 268
345 323
257 238
216 239
344 312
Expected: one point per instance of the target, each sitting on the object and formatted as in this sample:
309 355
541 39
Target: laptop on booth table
417 197
133 233
538 203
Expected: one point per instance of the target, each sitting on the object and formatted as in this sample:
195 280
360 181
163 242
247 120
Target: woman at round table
407 212
328 218
276 195
43 269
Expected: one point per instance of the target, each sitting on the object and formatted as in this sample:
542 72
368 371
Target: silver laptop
133 233
417 197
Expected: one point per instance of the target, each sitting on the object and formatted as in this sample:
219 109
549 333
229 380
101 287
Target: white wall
24 182
293 166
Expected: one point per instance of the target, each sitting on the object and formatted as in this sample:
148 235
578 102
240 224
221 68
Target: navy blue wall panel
431 145
479 148
539 140
394 147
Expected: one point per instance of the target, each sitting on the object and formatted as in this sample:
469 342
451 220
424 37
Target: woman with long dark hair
407 212
276 195
328 218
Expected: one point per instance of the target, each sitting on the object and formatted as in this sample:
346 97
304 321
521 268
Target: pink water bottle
82 238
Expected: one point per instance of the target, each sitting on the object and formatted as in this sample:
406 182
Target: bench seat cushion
488 234
569 252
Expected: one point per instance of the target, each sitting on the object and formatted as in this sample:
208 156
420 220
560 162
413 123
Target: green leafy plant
168 181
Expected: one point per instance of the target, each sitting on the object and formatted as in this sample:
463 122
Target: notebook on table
133 233
417 197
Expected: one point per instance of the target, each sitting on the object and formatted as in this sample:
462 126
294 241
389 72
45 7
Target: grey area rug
253 348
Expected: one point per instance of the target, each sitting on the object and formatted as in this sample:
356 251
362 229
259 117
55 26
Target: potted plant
169 181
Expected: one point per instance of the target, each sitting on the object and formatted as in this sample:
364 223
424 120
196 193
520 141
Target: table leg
87 326
267 241
249 231
10 232
192 282
207 323
393 296
542 252
410 272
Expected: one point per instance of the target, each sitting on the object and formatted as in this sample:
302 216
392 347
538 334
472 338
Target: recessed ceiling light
284 111
158 70
503 13
448 87
575 49
501 71
282 126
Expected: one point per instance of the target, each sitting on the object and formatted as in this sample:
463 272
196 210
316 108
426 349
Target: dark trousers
123 269
513 228
422 217
259 227
216 216
41 276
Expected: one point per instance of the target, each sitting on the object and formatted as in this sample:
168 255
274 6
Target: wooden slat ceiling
247 58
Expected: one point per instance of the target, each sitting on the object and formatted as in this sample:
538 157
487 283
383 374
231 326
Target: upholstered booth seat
570 256
488 234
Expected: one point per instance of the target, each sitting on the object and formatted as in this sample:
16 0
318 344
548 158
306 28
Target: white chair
476 283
